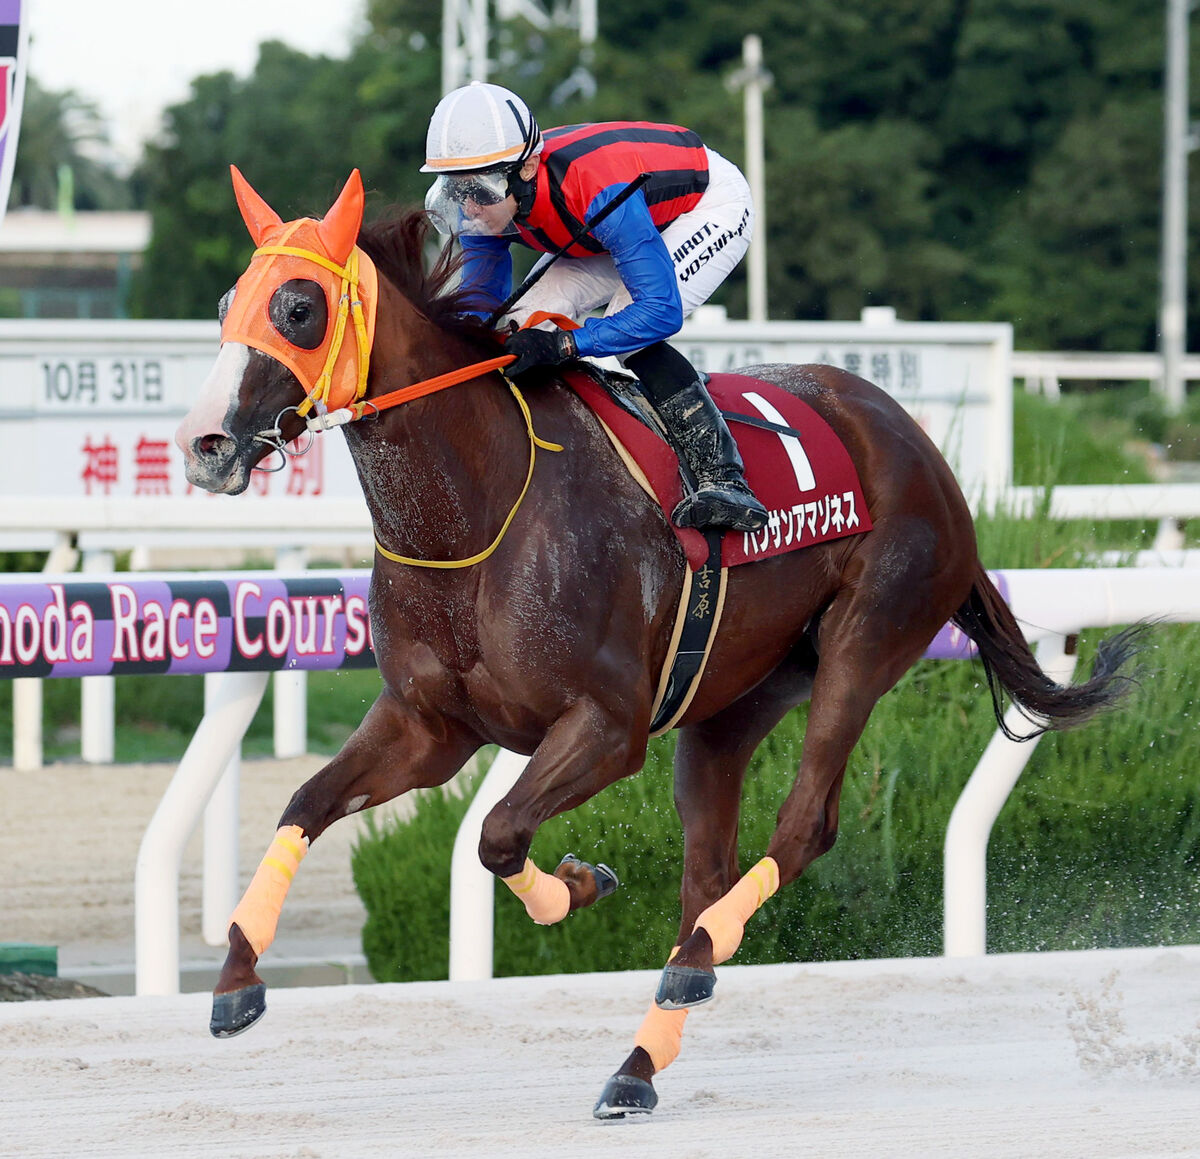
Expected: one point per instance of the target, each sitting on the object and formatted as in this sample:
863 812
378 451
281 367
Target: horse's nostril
209 444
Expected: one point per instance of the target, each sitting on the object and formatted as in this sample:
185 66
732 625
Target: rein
350 305
534 443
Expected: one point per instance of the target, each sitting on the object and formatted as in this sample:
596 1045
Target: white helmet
480 126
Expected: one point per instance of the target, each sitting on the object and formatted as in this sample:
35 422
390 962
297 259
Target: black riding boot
722 497
700 435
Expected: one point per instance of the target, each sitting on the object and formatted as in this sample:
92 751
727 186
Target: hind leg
710 767
869 637
392 751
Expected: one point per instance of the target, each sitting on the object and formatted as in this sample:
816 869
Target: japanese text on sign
127 383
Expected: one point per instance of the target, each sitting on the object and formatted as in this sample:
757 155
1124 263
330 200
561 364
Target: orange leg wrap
257 914
725 920
545 897
660 1035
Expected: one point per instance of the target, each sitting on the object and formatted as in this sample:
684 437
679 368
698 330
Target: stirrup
721 505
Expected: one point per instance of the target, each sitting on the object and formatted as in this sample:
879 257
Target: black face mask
523 191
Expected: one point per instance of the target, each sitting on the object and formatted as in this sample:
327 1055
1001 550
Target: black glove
538 348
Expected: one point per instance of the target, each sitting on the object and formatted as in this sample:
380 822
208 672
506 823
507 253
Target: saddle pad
809 485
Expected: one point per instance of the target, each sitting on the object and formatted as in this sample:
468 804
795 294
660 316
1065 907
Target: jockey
649 263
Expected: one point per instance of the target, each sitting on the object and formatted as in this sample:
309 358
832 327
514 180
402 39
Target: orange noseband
334 374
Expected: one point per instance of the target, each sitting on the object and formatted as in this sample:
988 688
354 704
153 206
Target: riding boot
699 434
722 497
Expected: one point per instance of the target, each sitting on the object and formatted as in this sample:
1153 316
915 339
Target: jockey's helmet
479 127
479 137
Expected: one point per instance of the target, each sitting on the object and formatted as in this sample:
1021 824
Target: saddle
795 463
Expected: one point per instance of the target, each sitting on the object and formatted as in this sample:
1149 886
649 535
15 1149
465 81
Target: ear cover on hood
330 241
339 228
256 213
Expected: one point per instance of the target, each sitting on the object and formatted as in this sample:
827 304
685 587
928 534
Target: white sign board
89 408
954 378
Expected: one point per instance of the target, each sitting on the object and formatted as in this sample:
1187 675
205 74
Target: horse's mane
397 244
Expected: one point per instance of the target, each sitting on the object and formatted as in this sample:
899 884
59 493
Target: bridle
350 306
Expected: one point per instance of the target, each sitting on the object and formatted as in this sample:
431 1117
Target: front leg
396 748
584 751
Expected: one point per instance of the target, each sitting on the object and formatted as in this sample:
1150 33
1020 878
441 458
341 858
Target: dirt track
1058 1056
69 837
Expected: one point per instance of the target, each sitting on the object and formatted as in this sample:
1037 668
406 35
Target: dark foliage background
953 160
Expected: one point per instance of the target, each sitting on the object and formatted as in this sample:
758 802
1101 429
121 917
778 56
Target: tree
954 160
60 134
296 127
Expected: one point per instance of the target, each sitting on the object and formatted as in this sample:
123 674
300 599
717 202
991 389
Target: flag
14 53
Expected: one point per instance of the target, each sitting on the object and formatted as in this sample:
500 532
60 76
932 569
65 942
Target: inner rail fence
1044 371
237 628
89 533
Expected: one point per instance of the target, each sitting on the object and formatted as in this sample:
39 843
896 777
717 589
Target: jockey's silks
579 162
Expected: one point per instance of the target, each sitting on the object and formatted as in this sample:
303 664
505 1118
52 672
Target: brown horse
552 645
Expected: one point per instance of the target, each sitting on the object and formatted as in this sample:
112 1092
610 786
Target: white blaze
217 396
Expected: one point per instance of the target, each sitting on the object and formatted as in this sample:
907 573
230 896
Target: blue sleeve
645 267
486 271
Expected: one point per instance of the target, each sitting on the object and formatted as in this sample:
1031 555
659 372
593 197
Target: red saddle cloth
809 485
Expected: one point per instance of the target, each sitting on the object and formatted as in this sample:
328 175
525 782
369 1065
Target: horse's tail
1010 666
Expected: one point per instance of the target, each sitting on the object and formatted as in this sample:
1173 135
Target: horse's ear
339 228
256 213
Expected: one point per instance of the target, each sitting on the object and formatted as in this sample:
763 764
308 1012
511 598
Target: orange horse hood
335 371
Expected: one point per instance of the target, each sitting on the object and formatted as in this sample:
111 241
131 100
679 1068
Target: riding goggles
453 196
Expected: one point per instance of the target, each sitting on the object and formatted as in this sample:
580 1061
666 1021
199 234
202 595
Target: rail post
472 888
98 694
291 688
975 812
235 699
221 816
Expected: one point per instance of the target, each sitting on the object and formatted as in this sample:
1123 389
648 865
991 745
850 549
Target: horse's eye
298 311
225 303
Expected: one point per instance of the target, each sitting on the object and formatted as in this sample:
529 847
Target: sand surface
69 837
1086 1056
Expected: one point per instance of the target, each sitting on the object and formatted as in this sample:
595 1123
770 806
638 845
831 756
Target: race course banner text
184 623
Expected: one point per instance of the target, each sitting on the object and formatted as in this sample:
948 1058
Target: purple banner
191 623
950 643
127 626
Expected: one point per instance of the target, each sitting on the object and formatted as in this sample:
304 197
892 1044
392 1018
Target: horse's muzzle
216 463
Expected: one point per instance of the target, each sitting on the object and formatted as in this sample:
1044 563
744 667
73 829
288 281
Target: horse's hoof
238 1010
606 878
684 986
624 1094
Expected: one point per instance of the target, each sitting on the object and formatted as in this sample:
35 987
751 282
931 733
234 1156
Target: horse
542 625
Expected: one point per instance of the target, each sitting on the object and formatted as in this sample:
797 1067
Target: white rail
1043 371
229 710
472 888
1052 605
